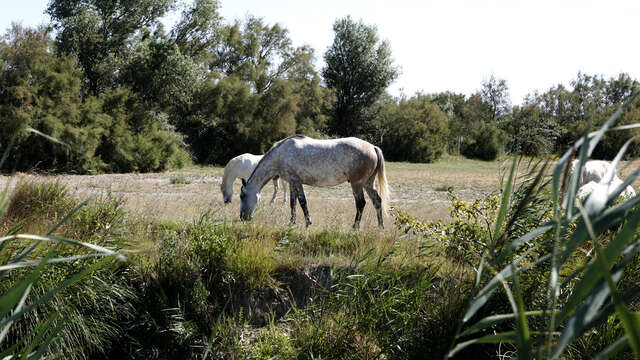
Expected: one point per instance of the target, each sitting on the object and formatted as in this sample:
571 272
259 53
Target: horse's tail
383 186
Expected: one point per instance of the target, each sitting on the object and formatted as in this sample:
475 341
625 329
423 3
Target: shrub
417 131
180 180
485 142
38 201
84 313
273 344
465 237
334 336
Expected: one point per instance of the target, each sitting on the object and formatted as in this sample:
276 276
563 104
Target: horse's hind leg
358 194
293 197
377 202
301 198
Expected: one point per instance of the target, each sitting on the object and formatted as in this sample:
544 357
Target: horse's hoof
308 223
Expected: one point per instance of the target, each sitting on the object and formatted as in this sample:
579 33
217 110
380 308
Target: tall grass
581 294
30 263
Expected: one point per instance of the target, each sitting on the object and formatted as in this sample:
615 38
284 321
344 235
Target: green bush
485 141
417 131
333 336
180 180
465 236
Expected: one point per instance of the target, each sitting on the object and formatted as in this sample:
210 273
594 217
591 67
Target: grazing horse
593 170
242 166
599 181
302 160
606 188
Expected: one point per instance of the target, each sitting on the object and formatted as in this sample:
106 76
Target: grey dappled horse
302 160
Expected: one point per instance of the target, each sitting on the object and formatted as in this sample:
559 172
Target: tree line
124 94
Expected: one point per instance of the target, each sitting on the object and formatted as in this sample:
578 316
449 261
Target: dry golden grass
419 189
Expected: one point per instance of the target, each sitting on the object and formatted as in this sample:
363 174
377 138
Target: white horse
593 170
602 183
303 160
607 188
242 166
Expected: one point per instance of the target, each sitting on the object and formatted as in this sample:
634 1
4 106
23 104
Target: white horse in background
599 181
302 160
593 170
588 188
242 166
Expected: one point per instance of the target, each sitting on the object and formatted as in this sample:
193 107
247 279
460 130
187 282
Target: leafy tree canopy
359 68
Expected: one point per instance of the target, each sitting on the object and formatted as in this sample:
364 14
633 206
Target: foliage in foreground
43 275
578 297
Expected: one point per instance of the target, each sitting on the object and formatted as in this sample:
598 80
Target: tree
590 98
358 68
161 74
98 31
254 52
260 90
40 91
485 141
314 100
197 31
113 131
453 105
495 93
530 131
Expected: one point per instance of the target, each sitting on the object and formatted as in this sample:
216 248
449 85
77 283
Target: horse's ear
244 182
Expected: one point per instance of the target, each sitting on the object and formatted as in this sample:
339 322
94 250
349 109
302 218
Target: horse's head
227 193
249 199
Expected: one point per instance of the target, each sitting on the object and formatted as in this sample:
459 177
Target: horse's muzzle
227 202
245 216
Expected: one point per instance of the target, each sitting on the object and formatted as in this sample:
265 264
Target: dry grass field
419 189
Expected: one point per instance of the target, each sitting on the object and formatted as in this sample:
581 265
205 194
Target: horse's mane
269 154
279 142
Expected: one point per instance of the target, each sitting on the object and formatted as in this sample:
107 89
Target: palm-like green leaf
594 296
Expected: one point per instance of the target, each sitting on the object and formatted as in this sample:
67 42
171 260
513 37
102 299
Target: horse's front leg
301 199
293 198
275 189
284 190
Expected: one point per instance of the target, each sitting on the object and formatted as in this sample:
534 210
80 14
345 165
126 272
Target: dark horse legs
297 192
358 194
377 203
375 197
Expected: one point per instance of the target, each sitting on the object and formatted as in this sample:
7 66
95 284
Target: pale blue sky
455 44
